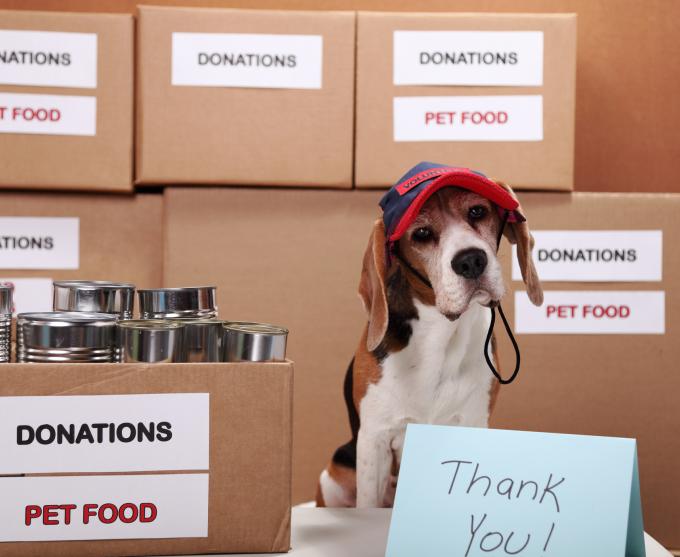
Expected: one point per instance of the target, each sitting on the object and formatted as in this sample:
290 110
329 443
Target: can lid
93 284
150 324
195 301
255 328
197 320
64 318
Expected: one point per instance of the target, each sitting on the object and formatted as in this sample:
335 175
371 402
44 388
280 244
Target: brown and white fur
421 355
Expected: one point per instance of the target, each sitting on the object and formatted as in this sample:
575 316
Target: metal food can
98 296
6 292
202 339
152 341
73 337
253 342
178 303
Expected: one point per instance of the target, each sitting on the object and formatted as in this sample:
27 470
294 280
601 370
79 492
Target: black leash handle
508 329
489 334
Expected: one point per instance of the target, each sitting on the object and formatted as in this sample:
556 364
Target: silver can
253 342
202 339
6 304
178 303
151 341
98 296
73 337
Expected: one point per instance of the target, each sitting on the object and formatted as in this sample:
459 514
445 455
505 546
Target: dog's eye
422 234
477 212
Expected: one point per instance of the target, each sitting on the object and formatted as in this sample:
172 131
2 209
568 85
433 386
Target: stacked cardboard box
66 101
488 91
45 237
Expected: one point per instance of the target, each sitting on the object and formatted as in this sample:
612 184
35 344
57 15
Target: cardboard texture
229 135
546 164
613 385
120 236
250 444
102 162
292 258
612 105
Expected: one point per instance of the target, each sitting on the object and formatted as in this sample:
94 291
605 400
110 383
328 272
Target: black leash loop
514 345
508 330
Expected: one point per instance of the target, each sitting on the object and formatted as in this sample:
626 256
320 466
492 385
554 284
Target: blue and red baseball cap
402 203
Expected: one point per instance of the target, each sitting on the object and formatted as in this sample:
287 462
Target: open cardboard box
247 503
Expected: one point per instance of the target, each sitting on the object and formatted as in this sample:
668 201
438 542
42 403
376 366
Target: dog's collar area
393 249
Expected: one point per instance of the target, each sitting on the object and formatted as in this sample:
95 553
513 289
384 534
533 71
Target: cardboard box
292 258
66 87
44 237
503 103
623 384
244 425
250 97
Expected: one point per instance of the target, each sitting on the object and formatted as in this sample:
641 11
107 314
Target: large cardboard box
226 490
621 379
291 258
494 92
245 97
45 236
66 101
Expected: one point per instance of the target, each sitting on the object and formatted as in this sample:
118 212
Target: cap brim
471 182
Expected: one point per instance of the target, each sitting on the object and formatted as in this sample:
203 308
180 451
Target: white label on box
48 114
469 118
468 58
247 60
104 433
596 255
592 313
48 58
39 242
104 507
30 294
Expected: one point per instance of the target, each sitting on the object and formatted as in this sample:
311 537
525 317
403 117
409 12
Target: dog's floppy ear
372 286
518 233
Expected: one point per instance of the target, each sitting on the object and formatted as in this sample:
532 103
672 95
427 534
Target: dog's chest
440 377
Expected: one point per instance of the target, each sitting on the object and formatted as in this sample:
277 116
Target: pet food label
48 114
104 433
39 242
247 60
592 312
103 507
469 118
48 59
596 255
30 294
468 58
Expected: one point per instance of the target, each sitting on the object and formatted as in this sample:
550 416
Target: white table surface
360 533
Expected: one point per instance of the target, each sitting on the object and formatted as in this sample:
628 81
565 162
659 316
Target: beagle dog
430 274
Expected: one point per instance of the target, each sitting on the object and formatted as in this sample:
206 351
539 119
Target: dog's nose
469 263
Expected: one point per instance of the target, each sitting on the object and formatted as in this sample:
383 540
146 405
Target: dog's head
452 242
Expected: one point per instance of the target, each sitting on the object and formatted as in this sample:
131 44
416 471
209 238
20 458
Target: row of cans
92 322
